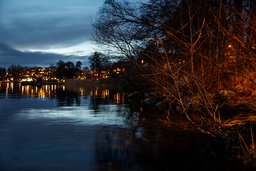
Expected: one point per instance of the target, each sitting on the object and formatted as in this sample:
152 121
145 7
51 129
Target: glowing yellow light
123 98
117 98
12 87
96 91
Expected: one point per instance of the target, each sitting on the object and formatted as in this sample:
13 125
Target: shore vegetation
200 56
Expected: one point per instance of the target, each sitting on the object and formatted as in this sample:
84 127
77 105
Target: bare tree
197 52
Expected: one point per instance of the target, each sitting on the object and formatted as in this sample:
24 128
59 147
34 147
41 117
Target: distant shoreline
32 82
93 83
109 83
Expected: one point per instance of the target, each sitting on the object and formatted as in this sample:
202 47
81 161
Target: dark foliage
67 70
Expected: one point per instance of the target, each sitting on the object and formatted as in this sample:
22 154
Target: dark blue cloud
9 56
29 24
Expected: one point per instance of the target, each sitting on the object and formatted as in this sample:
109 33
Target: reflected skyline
52 127
31 91
56 128
65 95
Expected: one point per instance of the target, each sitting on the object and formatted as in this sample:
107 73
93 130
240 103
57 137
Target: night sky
41 32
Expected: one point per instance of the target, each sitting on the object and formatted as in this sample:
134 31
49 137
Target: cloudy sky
41 32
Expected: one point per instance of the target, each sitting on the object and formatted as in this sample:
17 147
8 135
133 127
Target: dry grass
248 148
239 120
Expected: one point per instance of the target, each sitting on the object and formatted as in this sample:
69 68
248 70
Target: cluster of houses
49 74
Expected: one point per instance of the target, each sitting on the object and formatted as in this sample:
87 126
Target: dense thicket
198 54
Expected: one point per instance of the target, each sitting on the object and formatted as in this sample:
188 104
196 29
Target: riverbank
229 126
94 83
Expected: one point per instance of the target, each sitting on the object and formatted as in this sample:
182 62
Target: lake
55 127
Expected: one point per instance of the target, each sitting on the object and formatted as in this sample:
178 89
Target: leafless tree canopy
194 51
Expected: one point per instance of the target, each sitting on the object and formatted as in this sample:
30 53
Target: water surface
55 128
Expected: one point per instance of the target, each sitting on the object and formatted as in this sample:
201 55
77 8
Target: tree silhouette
98 63
15 71
2 73
67 70
78 65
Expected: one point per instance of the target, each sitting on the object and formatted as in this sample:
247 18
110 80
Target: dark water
54 128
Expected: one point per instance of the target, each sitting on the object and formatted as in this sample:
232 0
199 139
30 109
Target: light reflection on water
108 115
53 128
56 127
